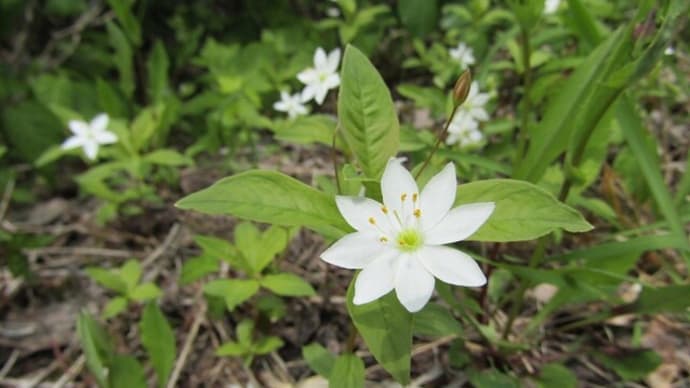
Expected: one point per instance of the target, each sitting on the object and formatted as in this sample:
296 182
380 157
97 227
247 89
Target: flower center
409 240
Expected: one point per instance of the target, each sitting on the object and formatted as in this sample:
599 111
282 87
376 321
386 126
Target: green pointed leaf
523 211
114 307
196 268
631 364
386 328
131 273
366 112
233 291
96 345
267 345
168 157
669 299
319 359
144 292
348 372
556 375
107 279
436 321
287 284
159 341
231 349
244 331
271 197
126 372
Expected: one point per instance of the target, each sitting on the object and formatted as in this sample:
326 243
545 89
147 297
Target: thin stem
334 159
518 295
438 141
527 102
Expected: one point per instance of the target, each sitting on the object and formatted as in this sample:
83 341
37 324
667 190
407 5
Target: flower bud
462 87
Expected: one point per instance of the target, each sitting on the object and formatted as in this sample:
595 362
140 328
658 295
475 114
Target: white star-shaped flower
89 136
322 77
399 245
291 104
551 6
464 130
463 54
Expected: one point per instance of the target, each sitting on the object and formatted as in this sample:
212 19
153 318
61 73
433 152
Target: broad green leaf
157 72
233 291
319 359
347 372
168 157
523 211
366 113
196 268
244 332
492 378
314 128
556 376
669 299
96 345
287 284
435 321
107 279
144 292
159 341
268 196
247 239
630 364
130 273
114 307
386 328
273 241
267 345
126 372
231 349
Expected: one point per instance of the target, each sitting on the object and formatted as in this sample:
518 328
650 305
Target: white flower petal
355 250
308 76
332 81
104 137
72 142
459 223
359 212
333 61
320 60
479 114
280 106
451 266
78 127
320 93
375 280
308 93
396 180
413 283
100 122
91 149
438 197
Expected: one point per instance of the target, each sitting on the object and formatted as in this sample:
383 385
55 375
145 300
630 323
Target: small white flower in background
463 54
290 104
669 50
90 136
399 245
464 130
551 6
322 77
333 12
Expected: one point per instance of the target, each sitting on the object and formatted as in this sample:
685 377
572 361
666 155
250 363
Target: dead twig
187 347
71 373
158 252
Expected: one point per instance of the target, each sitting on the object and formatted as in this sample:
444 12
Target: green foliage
159 340
246 346
366 113
319 359
386 328
347 372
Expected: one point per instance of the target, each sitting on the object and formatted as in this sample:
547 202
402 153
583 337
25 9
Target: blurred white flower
464 131
333 12
463 54
90 136
670 50
290 104
464 128
400 244
551 6
322 77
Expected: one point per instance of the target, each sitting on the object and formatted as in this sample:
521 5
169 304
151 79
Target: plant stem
438 141
518 294
527 102
334 159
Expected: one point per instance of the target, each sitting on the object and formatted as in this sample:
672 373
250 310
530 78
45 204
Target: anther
417 213
383 239
403 197
384 209
414 197
372 220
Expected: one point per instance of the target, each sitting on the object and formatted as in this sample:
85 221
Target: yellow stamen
372 220
414 197
384 209
403 197
383 239
417 213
